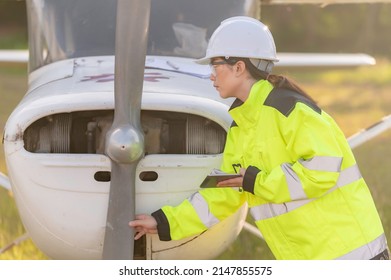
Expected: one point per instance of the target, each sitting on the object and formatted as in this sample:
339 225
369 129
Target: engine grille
164 133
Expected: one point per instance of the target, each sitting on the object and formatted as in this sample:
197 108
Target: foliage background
334 28
296 28
356 98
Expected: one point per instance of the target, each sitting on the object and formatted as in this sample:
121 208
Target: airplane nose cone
124 144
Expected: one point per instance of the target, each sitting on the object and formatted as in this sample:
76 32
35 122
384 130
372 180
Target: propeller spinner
125 140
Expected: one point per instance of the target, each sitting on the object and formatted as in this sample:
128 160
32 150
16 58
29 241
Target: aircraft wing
19 56
286 59
324 60
4 181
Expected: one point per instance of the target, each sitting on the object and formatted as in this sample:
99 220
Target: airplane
93 155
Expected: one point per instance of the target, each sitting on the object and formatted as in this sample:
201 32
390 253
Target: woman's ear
240 68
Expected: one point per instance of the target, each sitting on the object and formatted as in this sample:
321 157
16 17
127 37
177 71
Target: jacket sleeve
311 142
199 212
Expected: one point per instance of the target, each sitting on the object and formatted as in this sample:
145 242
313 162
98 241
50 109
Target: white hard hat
241 36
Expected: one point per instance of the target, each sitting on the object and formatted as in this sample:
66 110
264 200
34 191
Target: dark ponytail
277 81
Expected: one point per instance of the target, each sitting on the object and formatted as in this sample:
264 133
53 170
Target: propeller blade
125 141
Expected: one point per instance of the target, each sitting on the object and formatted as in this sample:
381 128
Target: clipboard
216 176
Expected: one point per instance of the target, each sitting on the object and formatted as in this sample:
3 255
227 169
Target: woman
299 176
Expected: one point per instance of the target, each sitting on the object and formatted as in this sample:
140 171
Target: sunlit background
355 97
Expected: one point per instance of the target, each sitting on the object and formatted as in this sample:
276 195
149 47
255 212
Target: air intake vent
61 133
203 137
53 135
164 133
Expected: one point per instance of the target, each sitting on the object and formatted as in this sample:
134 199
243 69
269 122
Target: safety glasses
214 64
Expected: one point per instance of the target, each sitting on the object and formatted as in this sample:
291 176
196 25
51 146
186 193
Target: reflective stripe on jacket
303 186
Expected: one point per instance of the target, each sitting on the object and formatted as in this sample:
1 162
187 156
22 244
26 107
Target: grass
11 228
356 98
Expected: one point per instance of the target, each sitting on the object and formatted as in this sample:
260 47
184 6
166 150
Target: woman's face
224 79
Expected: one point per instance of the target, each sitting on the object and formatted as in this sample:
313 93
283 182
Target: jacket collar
245 114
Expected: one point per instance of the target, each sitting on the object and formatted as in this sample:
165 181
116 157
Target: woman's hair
277 81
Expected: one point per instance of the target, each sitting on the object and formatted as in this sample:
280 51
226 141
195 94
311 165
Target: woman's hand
235 182
143 224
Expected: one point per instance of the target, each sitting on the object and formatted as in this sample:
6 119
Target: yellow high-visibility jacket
302 183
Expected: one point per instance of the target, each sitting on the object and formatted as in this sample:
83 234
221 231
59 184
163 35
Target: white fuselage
62 205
